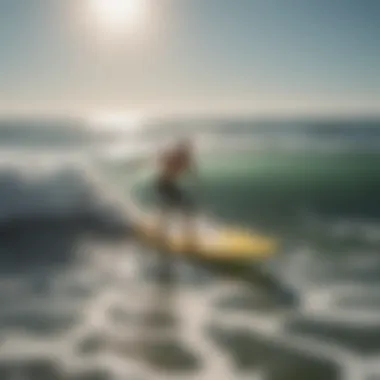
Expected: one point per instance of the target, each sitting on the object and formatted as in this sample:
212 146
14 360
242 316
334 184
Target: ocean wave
50 192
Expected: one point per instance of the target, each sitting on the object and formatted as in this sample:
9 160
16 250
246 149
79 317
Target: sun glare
119 14
118 121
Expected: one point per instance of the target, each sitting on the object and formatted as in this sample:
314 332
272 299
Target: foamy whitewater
79 299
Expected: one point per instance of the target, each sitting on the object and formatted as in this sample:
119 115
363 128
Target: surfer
173 163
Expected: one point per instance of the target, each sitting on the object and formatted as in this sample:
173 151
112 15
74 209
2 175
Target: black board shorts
172 196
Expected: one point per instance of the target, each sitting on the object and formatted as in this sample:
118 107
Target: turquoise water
277 191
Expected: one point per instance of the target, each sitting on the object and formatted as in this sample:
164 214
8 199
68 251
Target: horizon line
85 114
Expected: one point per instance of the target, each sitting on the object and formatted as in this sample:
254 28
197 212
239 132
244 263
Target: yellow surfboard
212 241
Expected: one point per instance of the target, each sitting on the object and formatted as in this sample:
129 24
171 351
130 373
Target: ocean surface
80 299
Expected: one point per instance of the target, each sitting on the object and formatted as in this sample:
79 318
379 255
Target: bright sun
118 14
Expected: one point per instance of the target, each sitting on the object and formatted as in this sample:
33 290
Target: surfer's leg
170 197
162 220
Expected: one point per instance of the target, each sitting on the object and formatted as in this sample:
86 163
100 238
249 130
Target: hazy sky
192 56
